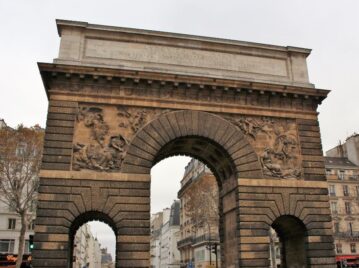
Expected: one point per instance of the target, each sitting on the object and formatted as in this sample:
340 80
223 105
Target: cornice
49 71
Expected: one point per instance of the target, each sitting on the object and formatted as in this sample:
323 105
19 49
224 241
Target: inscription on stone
182 57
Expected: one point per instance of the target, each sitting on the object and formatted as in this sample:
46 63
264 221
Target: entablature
162 86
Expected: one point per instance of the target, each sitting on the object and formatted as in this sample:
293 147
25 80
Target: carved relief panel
102 135
276 142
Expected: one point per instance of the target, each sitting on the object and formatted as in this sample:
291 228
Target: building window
336 227
7 245
345 190
339 248
332 190
31 225
20 150
11 224
328 171
341 174
353 248
334 207
12 207
33 205
348 209
27 247
350 228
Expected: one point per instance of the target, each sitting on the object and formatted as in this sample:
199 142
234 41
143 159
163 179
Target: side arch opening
85 250
292 235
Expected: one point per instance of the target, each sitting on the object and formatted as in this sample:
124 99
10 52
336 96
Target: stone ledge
93 175
282 183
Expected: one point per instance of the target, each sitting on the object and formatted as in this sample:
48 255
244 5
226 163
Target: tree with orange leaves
20 159
202 204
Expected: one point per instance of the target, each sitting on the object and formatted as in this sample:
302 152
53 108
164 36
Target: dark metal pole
216 252
210 245
210 251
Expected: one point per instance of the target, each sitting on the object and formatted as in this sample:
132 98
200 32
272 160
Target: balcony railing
185 242
347 235
343 177
207 238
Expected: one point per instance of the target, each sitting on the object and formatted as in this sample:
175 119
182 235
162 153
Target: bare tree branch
20 158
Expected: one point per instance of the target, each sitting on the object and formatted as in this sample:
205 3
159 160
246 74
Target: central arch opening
217 143
185 214
199 178
207 151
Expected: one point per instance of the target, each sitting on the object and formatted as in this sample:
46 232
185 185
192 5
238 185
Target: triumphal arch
121 100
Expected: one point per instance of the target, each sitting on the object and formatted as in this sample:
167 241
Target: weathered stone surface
247 110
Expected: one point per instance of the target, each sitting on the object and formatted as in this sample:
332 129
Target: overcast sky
331 28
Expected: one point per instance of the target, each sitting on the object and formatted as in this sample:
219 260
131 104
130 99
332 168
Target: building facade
155 252
86 249
342 172
10 225
106 259
198 238
165 233
2 123
10 222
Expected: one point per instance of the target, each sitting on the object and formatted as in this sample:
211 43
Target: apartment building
165 233
199 240
86 249
342 169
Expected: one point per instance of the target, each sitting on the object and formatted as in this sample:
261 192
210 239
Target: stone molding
282 183
88 175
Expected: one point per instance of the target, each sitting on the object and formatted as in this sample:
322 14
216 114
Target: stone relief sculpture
102 135
136 118
252 126
133 120
101 152
276 143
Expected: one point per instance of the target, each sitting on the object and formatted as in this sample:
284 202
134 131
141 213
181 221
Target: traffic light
31 242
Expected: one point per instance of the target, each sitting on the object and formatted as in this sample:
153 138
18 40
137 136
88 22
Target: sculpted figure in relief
102 152
135 118
252 126
275 141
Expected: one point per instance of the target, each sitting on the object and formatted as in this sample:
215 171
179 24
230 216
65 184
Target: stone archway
217 143
227 151
121 100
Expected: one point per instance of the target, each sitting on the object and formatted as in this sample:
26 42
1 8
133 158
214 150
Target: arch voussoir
173 123
167 127
187 116
172 126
